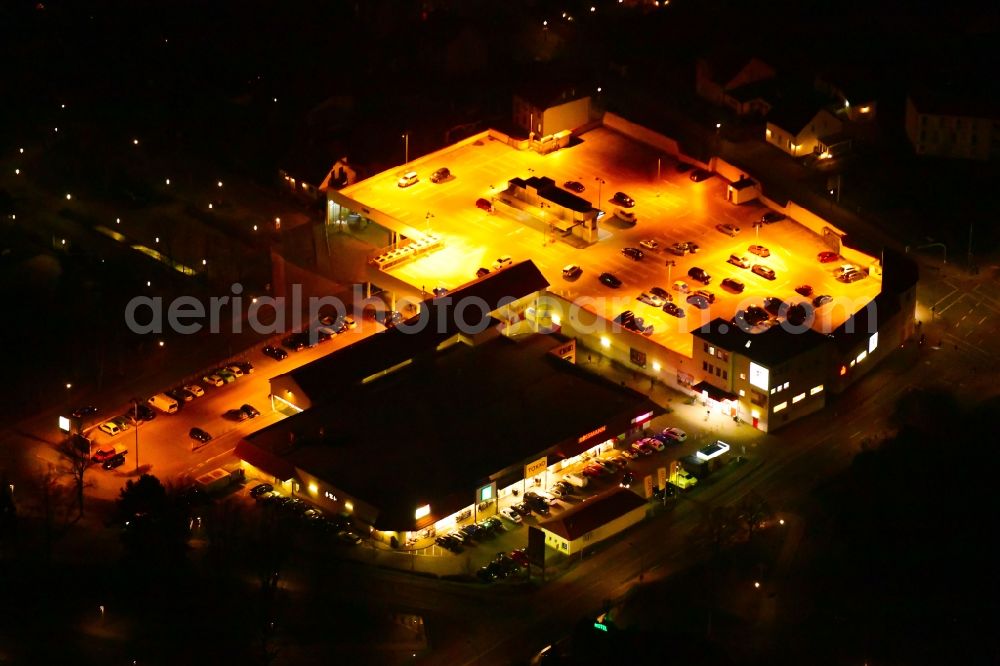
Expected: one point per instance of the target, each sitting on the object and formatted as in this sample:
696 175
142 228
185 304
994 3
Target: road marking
855 435
980 322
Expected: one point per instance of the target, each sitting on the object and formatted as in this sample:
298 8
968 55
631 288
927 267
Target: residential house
950 125
743 84
803 130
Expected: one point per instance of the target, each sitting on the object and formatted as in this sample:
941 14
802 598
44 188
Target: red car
101 455
520 557
593 471
804 289
484 204
827 257
643 448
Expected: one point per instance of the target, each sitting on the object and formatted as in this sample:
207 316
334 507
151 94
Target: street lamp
756 228
135 417
600 182
406 149
670 263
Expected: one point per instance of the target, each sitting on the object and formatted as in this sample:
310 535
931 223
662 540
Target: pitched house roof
593 513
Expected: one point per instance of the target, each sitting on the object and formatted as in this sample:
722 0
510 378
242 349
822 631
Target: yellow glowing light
756 584
168 181
17 172
69 196
349 506
425 510
209 205
219 183
556 321
656 366
605 342
162 343
843 370
135 142
68 385
865 109
313 489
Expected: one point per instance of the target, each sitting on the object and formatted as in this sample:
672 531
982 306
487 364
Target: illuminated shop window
862 356
816 389
873 342
780 406
800 396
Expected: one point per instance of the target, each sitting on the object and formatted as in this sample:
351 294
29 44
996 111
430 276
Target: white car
213 380
649 244
235 369
195 390
650 299
511 515
675 434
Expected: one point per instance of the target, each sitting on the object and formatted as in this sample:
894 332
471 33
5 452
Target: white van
164 403
502 262
407 179
576 480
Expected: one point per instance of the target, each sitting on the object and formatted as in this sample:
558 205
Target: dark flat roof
548 190
772 347
591 514
433 430
326 377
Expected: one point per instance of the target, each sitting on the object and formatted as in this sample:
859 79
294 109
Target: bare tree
752 511
75 453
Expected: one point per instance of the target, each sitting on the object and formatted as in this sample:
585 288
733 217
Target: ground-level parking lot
669 206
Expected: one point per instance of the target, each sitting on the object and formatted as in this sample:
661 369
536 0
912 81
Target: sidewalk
699 422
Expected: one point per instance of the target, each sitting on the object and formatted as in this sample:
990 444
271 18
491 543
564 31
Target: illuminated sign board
643 417
486 493
661 478
535 468
873 342
759 376
647 483
590 434
64 424
423 511
712 450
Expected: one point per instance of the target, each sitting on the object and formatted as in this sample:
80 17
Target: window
816 389
707 348
862 356
718 372
773 391
873 342
725 374
704 365
743 375
780 406
758 398
799 397
743 393
786 384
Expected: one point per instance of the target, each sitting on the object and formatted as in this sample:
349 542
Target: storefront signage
592 433
643 417
64 424
759 376
486 493
425 510
661 478
648 483
535 468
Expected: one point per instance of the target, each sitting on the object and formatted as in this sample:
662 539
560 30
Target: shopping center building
415 430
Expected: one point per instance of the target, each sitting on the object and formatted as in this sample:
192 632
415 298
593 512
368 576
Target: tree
155 522
75 452
752 511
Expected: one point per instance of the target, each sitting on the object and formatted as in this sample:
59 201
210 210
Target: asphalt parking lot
669 209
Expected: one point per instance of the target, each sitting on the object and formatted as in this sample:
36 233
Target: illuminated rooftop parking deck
669 210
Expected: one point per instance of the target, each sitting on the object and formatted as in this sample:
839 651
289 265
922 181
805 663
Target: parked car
571 271
661 292
115 461
675 434
234 370
629 453
765 272
739 261
236 415
799 313
510 514
728 229
706 294
653 443
732 285
626 215
123 423
574 186
100 455
821 300
852 276
649 244
522 509
827 257
633 253
775 306
482 272
276 353
699 302
672 309
225 375
484 204
627 480
296 341
180 395
699 274
520 556
771 216
804 289
199 435
693 247
83 412
650 299
441 174
622 199
680 249
609 280
140 413
407 179
643 448
759 250
260 489
109 428
698 175
213 380
754 315
250 411
593 471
